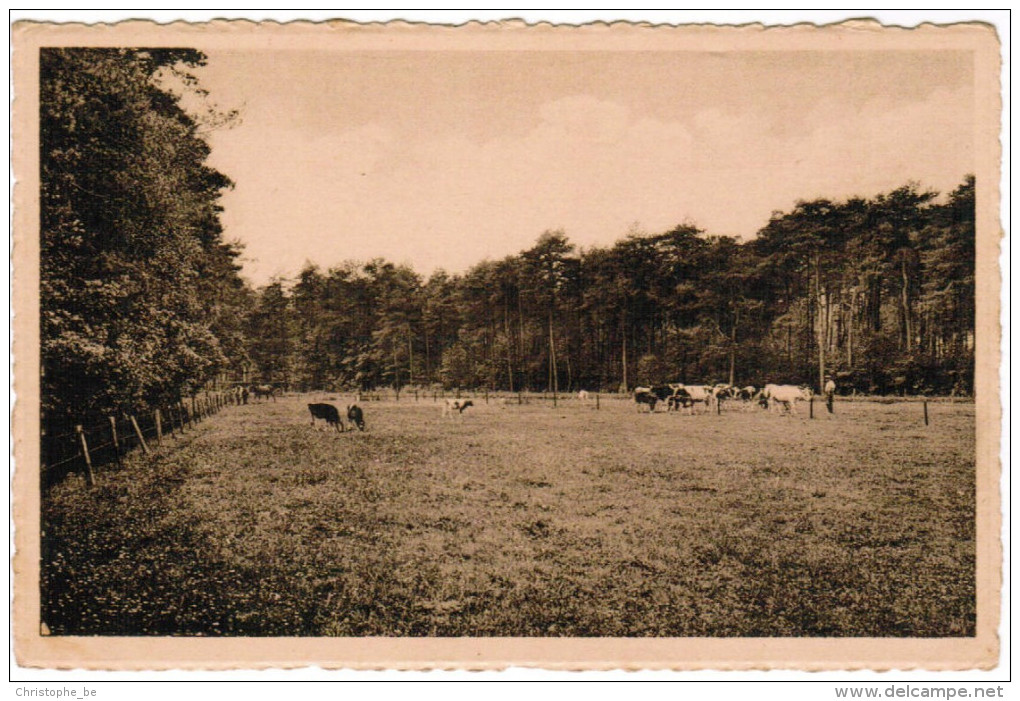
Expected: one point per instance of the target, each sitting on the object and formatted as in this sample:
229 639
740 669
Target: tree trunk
410 357
907 331
509 346
554 384
821 323
850 330
623 328
733 345
789 346
428 359
520 323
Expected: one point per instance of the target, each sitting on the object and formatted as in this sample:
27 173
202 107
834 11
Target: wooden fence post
486 395
116 443
89 478
141 438
811 407
597 404
159 428
925 402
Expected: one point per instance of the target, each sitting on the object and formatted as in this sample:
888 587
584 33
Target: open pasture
527 521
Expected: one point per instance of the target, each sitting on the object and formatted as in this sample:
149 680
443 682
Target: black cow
327 412
356 417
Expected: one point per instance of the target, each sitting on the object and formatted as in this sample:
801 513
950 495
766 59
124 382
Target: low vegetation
527 521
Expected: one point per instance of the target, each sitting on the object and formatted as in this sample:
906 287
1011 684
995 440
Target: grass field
527 521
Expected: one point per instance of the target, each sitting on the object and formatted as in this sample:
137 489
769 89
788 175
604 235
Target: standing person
830 392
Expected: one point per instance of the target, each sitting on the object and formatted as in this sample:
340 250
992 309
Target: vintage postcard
576 347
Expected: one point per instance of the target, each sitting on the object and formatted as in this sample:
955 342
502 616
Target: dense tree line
879 292
141 298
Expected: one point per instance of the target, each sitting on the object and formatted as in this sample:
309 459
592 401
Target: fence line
106 441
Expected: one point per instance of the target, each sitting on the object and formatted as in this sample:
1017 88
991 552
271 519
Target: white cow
583 395
787 395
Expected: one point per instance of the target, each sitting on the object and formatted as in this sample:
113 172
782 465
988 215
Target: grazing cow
746 396
652 395
787 395
644 395
723 392
698 394
356 416
583 395
456 405
329 413
264 392
680 399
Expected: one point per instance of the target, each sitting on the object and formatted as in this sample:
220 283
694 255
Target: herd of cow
676 397
691 398
241 393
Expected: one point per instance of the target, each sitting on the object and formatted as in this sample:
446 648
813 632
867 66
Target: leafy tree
137 286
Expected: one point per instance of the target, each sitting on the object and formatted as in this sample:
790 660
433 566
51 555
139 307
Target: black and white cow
644 396
681 399
356 416
693 396
746 395
456 405
651 396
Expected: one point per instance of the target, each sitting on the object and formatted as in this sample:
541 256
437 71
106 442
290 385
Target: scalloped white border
651 19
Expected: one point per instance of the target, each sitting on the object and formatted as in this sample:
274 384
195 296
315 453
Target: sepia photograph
614 344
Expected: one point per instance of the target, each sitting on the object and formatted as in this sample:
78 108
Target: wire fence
104 441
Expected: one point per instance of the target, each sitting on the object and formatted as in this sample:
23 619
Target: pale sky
443 159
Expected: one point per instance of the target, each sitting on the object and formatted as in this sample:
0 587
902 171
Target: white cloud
589 166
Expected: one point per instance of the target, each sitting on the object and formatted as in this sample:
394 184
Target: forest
143 298
879 292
